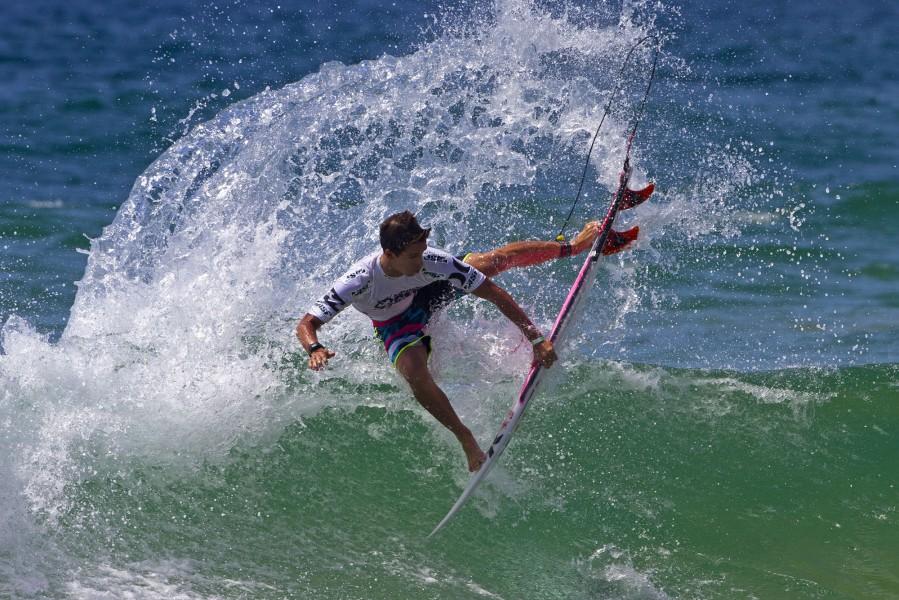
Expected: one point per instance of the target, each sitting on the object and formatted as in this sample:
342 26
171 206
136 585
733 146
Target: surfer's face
409 261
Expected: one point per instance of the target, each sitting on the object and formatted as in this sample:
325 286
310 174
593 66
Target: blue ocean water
725 427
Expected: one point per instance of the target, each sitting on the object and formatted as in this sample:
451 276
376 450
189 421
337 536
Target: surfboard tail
469 489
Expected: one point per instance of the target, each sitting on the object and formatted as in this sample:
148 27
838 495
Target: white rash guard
369 290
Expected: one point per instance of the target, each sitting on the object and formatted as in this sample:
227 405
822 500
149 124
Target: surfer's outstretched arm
543 348
527 253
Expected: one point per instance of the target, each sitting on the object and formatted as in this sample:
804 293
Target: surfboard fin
619 240
634 198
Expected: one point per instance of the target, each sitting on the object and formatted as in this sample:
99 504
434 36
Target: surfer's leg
413 366
525 254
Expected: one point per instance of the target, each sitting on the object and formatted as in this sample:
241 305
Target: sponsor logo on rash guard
436 258
321 306
461 266
331 303
355 274
391 300
361 290
458 277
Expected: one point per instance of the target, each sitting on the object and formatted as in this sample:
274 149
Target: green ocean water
625 482
724 425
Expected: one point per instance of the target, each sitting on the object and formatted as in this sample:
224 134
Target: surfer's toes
473 452
475 462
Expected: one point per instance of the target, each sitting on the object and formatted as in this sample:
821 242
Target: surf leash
635 123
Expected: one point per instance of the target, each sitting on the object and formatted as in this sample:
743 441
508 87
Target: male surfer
404 284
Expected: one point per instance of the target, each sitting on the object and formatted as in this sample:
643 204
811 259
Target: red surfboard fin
619 240
634 198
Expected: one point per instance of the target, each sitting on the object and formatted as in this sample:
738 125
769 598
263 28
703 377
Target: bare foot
584 239
473 453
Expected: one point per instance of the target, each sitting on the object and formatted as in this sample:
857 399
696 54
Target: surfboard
623 199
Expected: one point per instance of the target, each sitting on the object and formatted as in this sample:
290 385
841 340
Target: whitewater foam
180 344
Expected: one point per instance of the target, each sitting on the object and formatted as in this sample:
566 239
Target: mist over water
733 378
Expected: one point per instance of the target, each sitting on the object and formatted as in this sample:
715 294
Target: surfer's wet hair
400 230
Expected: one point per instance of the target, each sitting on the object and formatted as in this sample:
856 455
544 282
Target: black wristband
565 250
314 347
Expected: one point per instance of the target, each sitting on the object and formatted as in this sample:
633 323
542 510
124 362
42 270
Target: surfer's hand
319 358
585 238
545 354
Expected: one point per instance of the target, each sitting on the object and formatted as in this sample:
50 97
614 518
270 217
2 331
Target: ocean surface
180 180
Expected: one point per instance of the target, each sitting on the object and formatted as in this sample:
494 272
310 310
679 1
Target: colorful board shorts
408 328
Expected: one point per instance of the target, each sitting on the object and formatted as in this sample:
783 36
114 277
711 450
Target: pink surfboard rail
623 199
